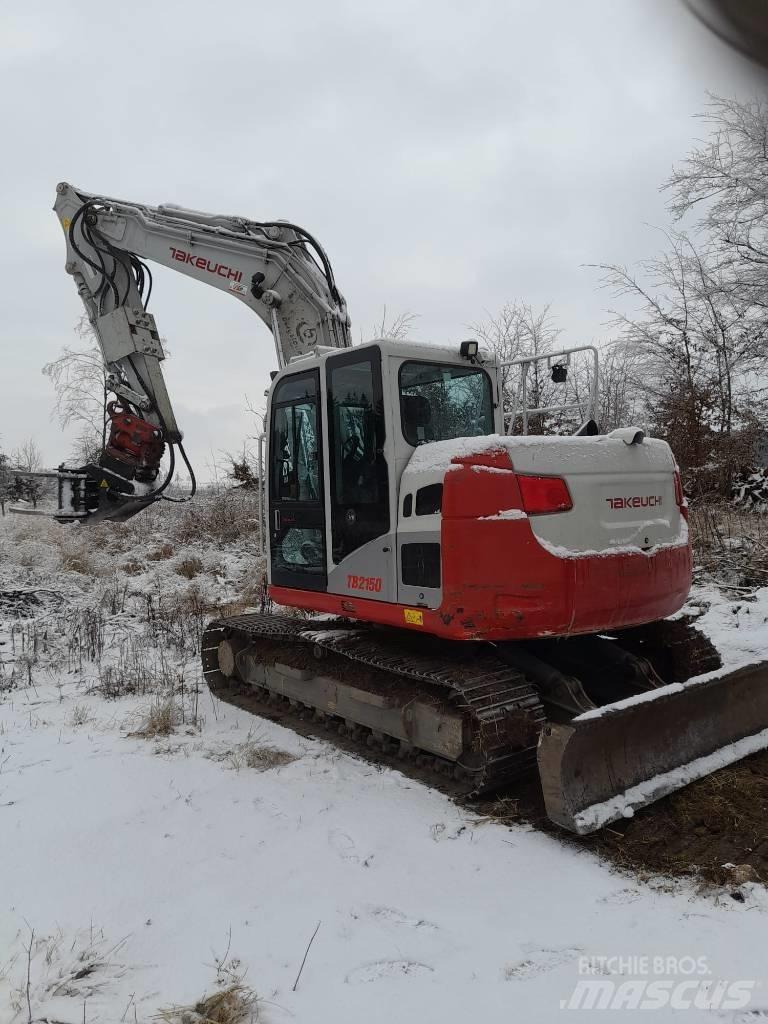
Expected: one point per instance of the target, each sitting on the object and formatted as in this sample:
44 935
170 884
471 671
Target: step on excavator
486 600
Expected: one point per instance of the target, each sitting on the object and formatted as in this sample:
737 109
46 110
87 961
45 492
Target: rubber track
502 707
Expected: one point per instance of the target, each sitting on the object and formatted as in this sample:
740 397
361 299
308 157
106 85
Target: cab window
358 469
296 513
439 402
295 465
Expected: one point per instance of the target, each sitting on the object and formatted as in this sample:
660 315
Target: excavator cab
355 418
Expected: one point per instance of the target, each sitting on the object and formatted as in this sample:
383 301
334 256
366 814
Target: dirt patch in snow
704 831
26 604
718 821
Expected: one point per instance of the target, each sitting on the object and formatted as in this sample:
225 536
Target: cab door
296 505
361 542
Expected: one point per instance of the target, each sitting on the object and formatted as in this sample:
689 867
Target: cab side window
297 517
358 469
295 459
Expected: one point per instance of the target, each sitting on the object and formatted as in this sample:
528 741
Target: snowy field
154 844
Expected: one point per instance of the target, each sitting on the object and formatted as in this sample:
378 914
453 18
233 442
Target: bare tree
725 181
697 343
620 392
396 329
87 447
27 458
5 480
699 331
32 490
79 379
516 331
621 397
242 466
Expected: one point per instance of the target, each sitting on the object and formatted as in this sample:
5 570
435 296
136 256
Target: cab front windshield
439 402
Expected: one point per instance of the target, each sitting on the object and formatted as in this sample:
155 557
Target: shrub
162 553
189 567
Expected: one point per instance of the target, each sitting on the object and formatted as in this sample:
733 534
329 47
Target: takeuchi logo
636 501
201 263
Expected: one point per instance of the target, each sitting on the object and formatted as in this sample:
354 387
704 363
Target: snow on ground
738 628
131 866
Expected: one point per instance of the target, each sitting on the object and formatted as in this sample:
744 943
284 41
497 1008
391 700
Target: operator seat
417 416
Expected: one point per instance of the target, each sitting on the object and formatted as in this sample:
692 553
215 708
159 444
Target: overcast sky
450 156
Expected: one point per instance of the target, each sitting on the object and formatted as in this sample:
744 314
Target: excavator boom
275 268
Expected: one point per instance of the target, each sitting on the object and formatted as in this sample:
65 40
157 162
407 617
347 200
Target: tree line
15 483
688 338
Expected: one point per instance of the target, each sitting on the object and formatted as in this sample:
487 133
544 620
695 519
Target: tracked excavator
485 599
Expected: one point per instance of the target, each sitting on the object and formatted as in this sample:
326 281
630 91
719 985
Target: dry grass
234 1004
145 669
254 593
252 753
134 672
252 596
29 554
54 969
233 1001
163 717
223 518
77 552
506 810
132 567
730 545
79 562
80 714
114 596
23 529
103 537
177 620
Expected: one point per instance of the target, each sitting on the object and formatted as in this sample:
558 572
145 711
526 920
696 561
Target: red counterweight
134 442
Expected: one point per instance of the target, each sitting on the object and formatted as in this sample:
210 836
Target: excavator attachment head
606 764
93 493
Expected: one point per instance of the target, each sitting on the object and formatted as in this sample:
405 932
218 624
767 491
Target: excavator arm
276 268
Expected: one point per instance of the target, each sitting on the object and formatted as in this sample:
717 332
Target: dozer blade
607 763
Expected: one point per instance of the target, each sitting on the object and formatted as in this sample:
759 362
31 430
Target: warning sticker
413 616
